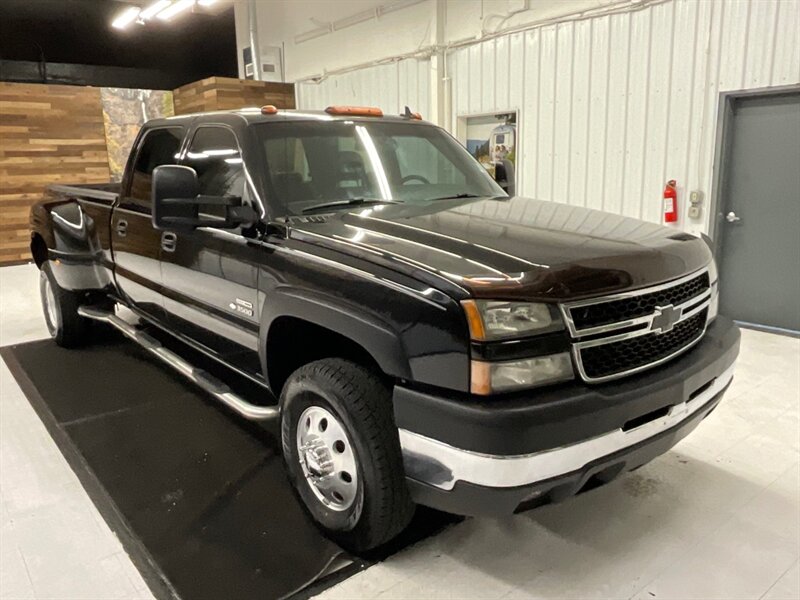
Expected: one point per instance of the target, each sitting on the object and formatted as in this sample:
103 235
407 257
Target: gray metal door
759 213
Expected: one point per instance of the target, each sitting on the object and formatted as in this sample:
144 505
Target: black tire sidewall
72 330
297 397
55 329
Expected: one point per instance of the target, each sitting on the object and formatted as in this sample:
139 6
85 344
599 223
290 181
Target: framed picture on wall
491 138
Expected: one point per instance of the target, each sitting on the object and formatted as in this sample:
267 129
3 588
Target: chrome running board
207 382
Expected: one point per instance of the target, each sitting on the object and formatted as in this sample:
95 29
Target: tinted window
160 147
214 154
311 162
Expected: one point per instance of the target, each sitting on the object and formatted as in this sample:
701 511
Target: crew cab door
135 243
210 275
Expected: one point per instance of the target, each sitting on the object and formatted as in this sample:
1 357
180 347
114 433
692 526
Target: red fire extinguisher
670 202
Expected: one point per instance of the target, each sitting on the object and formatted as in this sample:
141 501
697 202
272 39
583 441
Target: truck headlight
498 320
491 320
713 279
495 377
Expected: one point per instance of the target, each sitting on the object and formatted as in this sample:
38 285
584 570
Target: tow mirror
504 176
177 206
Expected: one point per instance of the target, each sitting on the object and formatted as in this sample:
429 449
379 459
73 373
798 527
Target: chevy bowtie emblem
665 318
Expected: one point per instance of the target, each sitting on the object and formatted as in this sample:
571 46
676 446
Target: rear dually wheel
65 325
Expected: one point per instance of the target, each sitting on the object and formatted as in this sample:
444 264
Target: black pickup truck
422 336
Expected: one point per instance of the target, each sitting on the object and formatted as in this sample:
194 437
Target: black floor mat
197 495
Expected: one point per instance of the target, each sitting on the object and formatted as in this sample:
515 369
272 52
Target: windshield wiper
457 196
349 202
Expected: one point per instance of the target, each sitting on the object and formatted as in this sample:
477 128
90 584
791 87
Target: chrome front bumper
437 464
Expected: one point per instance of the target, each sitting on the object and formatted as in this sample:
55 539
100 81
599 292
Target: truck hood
510 248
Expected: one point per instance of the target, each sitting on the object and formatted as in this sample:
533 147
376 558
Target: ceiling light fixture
154 8
127 17
174 9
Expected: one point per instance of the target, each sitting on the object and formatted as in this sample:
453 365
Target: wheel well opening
292 343
38 250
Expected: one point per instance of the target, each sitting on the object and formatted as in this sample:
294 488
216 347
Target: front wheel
342 453
65 325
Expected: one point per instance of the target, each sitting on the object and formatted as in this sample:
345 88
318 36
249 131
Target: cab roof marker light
174 9
269 109
155 8
355 111
127 17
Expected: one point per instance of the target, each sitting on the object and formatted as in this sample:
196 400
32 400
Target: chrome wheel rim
327 458
50 306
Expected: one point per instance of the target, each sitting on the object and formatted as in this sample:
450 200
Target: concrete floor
717 517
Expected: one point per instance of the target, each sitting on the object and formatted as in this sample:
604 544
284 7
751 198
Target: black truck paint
381 286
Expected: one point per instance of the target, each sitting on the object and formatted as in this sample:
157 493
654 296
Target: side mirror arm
241 215
201 200
278 229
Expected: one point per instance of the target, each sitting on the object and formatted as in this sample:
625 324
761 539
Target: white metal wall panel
611 107
390 86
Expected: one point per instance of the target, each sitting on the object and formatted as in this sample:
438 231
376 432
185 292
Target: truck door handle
169 241
122 228
732 218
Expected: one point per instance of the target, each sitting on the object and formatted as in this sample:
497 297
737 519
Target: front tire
342 453
65 325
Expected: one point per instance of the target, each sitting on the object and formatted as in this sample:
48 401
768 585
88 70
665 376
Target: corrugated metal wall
612 107
391 86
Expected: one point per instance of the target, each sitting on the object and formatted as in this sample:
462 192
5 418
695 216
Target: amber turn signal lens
480 378
355 111
474 320
269 109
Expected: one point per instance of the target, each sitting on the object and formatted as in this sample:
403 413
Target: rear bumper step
202 379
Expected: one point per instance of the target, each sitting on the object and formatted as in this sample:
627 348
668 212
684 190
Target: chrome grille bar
628 328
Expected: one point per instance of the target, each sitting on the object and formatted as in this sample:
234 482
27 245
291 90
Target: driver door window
214 155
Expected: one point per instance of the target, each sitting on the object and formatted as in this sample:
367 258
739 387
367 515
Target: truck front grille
637 306
630 354
626 333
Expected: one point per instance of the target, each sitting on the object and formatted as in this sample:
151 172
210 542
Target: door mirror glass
177 205
174 189
504 176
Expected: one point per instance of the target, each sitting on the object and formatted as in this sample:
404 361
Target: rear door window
160 147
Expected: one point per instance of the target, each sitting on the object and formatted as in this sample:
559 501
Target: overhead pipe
255 53
620 7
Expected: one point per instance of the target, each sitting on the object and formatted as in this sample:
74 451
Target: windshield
311 163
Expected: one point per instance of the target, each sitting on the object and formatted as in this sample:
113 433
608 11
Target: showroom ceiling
79 32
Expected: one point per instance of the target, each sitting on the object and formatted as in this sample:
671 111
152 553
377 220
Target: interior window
289 168
420 162
214 155
160 147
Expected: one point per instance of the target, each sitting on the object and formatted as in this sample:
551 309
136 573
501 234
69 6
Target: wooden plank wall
54 134
225 93
48 134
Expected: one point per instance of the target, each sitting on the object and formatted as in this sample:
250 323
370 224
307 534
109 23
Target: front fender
377 337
